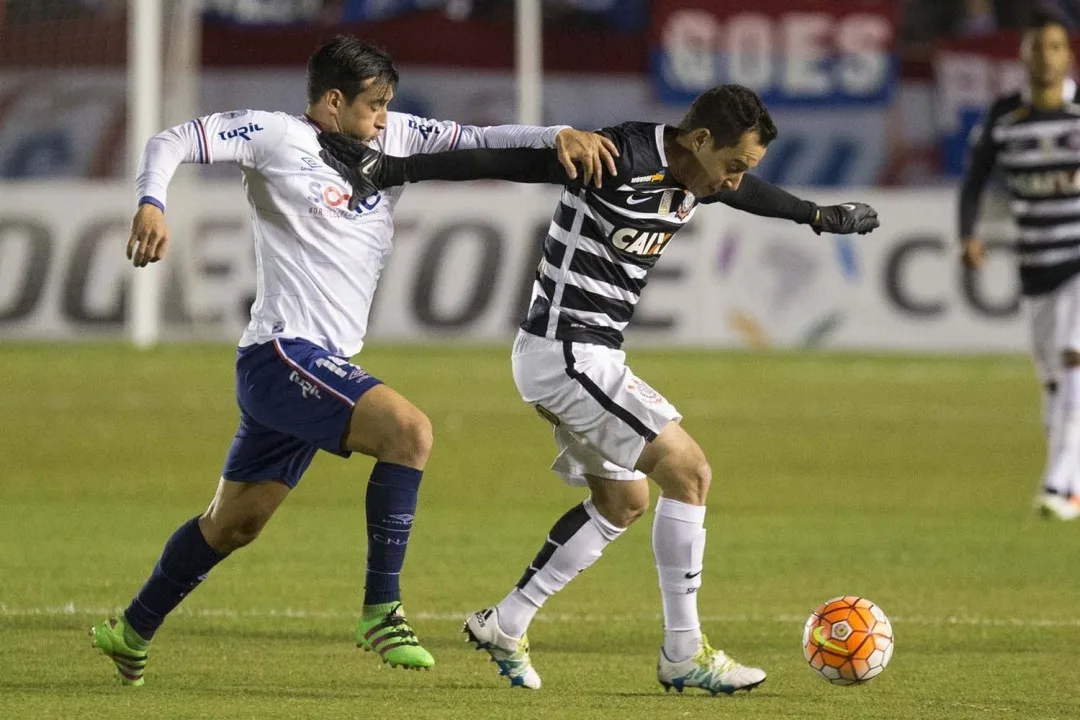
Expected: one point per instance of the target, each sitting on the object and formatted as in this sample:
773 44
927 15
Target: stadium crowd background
247 41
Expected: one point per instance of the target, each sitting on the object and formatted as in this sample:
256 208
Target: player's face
1047 55
722 168
365 117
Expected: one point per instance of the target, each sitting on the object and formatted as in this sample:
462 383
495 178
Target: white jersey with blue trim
316 262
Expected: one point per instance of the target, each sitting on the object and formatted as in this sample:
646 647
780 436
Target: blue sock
184 563
391 505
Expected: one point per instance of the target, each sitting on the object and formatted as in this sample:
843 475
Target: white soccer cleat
708 669
1057 506
509 653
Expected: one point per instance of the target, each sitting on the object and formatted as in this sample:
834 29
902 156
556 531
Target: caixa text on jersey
1044 184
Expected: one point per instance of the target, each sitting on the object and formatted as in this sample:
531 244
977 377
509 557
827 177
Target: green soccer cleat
108 637
390 635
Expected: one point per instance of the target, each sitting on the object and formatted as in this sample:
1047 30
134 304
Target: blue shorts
295 398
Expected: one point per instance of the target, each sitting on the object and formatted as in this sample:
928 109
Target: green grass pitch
907 480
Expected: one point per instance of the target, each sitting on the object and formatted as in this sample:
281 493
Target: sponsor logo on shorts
358 374
644 392
331 366
308 388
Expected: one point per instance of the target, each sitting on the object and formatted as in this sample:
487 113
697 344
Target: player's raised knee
623 509
631 511
693 480
410 441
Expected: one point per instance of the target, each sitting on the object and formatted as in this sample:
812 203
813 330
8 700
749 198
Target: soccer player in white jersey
317 264
611 428
1034 137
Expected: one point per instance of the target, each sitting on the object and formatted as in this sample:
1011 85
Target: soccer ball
848 640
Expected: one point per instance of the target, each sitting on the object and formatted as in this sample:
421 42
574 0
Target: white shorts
603 414
1055 327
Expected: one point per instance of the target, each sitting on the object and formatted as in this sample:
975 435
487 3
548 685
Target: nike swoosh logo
691 576
634 200
365 168
848 206
818 634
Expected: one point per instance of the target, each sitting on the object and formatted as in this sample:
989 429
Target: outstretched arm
369 171
515 165
760 197
590 152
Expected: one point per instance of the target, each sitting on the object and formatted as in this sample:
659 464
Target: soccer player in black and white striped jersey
1034 137
612 429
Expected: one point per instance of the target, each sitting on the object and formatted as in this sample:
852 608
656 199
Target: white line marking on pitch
71 609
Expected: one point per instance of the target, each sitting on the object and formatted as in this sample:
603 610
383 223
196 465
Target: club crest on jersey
640 242
644 392
686 206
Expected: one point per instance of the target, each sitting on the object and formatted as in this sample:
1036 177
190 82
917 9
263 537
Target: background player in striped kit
612 429
1034 137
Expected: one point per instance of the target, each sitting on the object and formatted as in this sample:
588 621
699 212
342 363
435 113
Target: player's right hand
149 236
359 164
972 253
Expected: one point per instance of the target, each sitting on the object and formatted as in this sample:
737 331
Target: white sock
574 543
678 541
1061 477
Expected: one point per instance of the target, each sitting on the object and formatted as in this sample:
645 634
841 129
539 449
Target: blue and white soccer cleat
708 669
509 653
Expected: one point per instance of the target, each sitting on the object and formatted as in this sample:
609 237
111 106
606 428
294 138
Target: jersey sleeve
244 137
410 135
983 156
760 197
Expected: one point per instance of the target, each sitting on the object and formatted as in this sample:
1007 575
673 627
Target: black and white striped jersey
601 244
1039 152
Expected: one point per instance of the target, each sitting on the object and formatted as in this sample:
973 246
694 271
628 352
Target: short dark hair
1044 16
346 63
729 112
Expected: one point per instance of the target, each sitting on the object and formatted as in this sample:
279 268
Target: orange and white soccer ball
848 640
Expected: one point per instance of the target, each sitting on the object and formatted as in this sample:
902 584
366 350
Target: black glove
846 219
362 167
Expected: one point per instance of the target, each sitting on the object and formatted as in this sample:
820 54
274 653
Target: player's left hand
592 150
846 219
359 164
